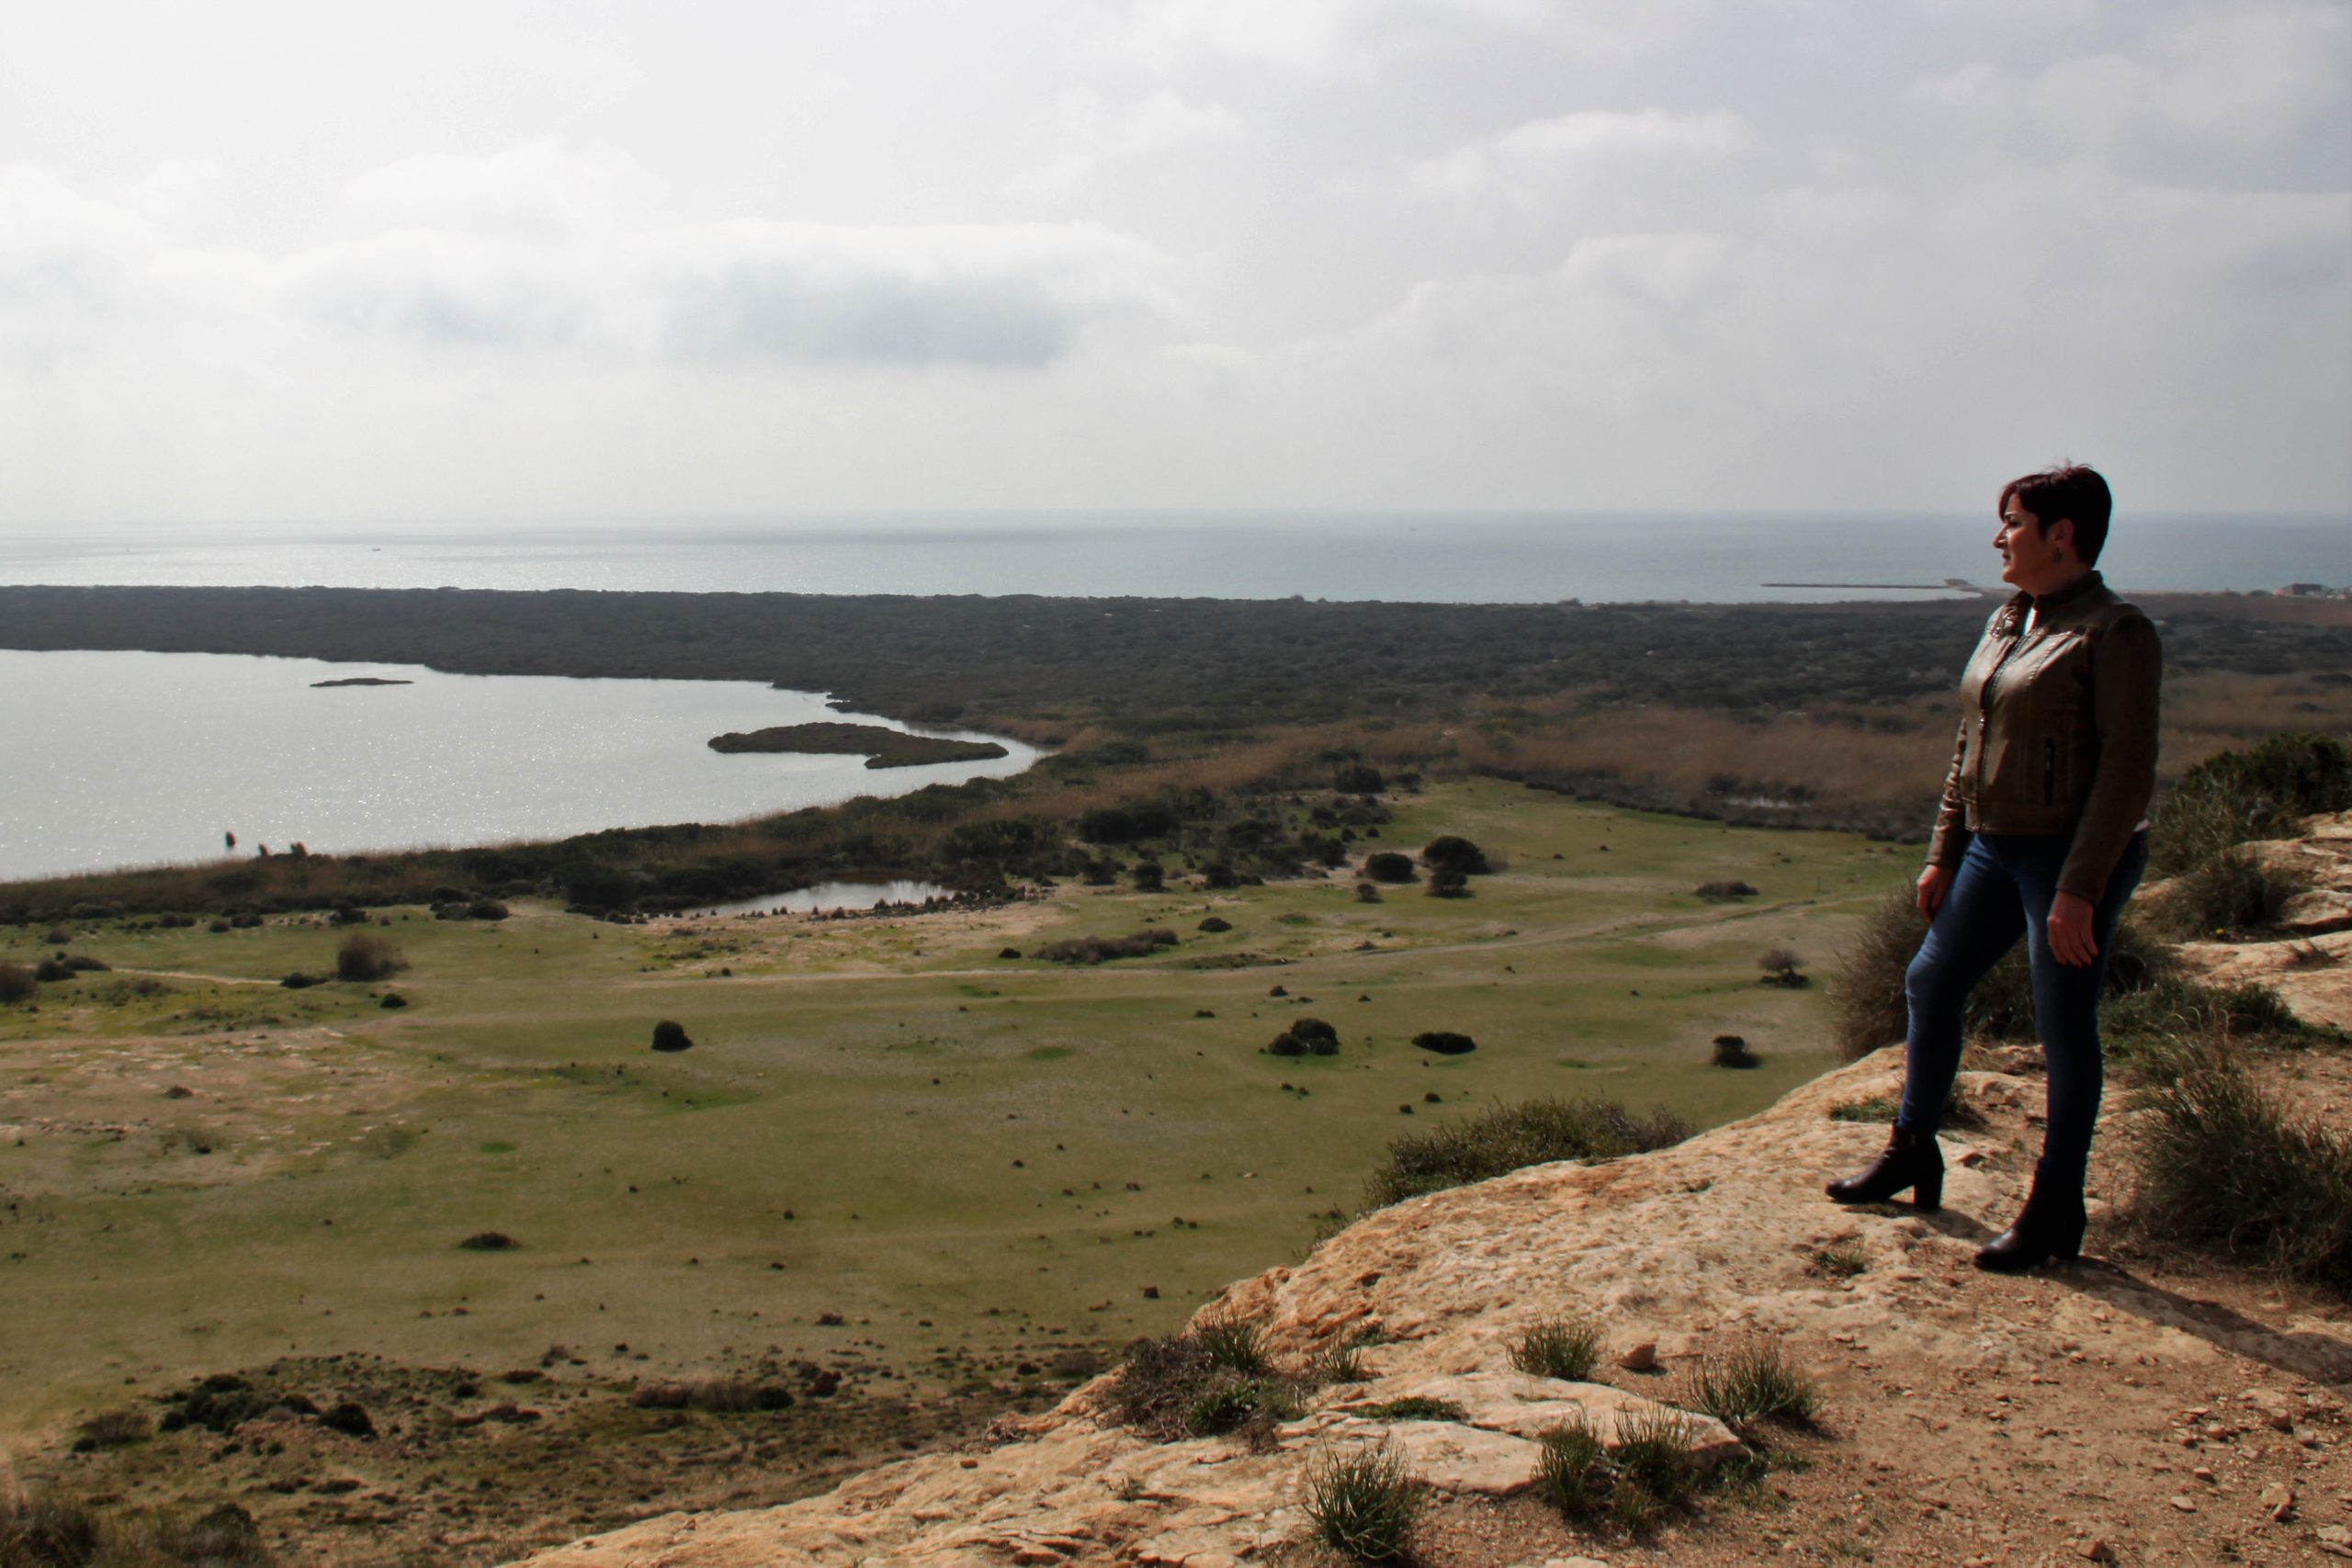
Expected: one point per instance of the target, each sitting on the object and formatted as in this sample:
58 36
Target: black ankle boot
2050 1225
1911 1159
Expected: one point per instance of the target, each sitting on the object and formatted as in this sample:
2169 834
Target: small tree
1452 853
1448 883
1388 866
671 1036
1781 965
1151 876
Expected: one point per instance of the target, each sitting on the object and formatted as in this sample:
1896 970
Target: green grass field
880 1118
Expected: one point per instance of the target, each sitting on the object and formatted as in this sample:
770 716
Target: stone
1641 1357
2278 1500
2094 1551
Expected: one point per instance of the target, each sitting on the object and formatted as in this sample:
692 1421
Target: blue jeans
2003 891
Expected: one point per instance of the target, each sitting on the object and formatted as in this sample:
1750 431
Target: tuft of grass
2222 1165
113 1429
1564 1348
1363 1505
1750 1384
1341 1363
2228 894
1651 1471
1839 1260
1508 1137
1232 1342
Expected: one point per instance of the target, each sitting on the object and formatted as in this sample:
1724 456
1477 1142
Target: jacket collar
2085 590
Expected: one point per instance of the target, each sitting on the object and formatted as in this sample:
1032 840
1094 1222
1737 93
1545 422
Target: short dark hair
2068 490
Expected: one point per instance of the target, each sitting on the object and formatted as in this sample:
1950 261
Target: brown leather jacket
2058 733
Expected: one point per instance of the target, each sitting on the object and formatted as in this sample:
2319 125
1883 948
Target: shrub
1151 876
1505 1139
2221 1164
1314 1031
1363 1504
1573 1473
1367 893
1448 883
1220 874
1445 1043
1388 866
670 1035
1233 1405
51 1531
728 1395
18 984
300 980
1286 1045
486 909
1754 1382
1100 949
49 970
1216 925
1564 1348
113 1429
1780 968
393 999
366 957
2234 796
83 963
490 1241
349 915
1718 891
1731 1051
1416 1407
1211 1379
1452 853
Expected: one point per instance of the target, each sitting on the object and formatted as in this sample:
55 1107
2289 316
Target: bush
1151 876
366 957
1651 1470
113 1429
1320 1037
300 980
1445 1043
670 1035
1388 866
1100 949
1216 925
1753 1383
1731 1051
726 1395
490 1241
1448 883
1503 1140
1563 1348
1210 1379
51 1531
2221 1164
1717 891
2234 796
1286 1045
1781 966
1238 1343
1363 1504
1452 852
83 963
18 984
1367 893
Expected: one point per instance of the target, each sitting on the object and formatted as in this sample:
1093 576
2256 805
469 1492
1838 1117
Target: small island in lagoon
881 746
360 681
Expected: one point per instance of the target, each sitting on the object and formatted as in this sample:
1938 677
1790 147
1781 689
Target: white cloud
1522 164
1092 134
543 249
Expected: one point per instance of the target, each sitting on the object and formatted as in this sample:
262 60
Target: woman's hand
2070 931
1934 883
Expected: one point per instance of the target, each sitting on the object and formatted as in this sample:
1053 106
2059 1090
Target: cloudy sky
544 259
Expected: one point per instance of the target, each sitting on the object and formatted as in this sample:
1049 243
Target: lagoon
114 759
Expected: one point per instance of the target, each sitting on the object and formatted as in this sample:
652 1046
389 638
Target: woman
2043 834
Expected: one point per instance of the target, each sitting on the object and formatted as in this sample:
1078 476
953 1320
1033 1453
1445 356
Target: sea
1483 557
114 759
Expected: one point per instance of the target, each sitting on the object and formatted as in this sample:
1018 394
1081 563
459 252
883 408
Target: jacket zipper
1985 702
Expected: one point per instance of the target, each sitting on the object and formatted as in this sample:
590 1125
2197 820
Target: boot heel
1928 1192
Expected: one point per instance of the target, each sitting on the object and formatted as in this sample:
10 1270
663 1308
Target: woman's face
2031 557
